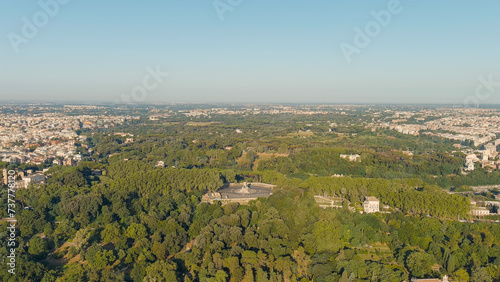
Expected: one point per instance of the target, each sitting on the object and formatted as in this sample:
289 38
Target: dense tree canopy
117 216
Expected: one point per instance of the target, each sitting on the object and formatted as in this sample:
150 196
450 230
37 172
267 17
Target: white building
479 211
485 156
469 166
371 205
34 178
351 158
471 158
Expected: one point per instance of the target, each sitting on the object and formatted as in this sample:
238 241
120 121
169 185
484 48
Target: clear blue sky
263 51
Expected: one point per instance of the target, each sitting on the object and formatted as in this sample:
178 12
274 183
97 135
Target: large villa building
239 192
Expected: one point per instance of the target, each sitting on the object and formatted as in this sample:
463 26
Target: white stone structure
371 205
